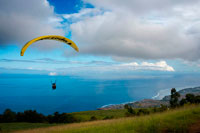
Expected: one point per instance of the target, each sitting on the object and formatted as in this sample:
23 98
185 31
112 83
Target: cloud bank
85 68
153 29
125 30
159 66
26 19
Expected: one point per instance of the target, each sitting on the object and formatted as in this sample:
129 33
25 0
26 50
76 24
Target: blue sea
74 94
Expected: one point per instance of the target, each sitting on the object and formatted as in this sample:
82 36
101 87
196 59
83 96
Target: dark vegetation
174 103
174 98
189 99
144 111
33 117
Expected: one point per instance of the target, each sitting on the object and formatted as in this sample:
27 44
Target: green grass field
178 120
7 127
81 116
99 114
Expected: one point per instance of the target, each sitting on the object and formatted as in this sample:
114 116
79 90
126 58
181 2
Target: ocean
20 92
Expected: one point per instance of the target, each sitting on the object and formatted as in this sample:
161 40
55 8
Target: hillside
183 92
99 114
183 119
146 103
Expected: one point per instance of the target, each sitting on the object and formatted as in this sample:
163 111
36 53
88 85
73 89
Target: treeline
35 117
174 103
189 99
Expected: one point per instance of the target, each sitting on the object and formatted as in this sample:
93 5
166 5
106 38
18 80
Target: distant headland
146 103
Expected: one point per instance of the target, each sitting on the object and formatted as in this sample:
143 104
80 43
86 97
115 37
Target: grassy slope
21 126
174 120
99 114
82 116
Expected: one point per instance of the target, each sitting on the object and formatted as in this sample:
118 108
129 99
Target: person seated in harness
53 85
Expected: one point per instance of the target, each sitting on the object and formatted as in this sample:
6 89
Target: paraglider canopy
49 37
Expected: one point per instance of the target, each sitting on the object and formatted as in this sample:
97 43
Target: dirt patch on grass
195 128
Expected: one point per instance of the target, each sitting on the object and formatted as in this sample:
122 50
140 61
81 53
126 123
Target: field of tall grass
99 114
176 120
8 127
80 116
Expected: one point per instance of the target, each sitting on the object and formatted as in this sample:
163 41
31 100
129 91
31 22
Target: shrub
93 118
163 108
108 117
143 112
190 98
130 110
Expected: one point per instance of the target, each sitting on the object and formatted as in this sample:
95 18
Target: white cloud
141 6
30 68
162 65
84 13
122 68
118 71
23 20
93 69
124 30
140 29
158 66
52 73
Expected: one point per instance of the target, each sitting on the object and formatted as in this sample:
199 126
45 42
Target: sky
116 39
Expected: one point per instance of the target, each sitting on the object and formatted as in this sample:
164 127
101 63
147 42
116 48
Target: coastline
155 101
165 92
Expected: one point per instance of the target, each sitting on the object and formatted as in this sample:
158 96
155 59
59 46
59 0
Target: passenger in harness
53 85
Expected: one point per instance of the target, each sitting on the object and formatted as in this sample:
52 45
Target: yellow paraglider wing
50 37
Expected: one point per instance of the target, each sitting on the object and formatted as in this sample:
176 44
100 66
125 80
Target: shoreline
158 97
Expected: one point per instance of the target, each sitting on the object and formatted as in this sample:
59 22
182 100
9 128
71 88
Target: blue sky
117 38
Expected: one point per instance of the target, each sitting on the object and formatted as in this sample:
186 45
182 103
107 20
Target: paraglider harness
53 85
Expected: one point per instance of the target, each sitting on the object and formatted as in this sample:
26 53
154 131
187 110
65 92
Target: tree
190 98
130 110
9 116
183 101
20 117
126 106
174 98
197 99
32 116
